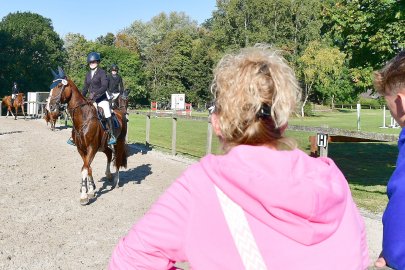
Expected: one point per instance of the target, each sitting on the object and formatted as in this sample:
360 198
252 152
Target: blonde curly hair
255 92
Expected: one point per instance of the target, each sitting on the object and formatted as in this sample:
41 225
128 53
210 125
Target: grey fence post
147 139
174 126
209 136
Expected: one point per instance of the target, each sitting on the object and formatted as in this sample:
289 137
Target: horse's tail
121 153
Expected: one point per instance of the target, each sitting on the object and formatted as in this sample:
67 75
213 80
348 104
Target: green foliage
370 32
289 25
203 58
338 91
320 65
153 32
107 40
77 48
308 111
179 64
373 103
28 47
123 40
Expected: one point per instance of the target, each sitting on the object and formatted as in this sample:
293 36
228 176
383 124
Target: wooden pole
147 139
209 136
174 126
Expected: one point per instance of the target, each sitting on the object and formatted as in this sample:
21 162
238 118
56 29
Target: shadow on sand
133 175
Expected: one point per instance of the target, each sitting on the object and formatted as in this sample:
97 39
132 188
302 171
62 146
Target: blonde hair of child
247 83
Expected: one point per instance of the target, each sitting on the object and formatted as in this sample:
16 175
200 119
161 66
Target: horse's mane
90 110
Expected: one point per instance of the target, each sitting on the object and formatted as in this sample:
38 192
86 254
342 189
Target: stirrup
112 140
71 142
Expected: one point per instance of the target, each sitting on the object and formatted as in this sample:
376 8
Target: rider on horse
14 92
96 85
115 84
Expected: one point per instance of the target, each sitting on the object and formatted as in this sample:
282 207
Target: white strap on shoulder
241 233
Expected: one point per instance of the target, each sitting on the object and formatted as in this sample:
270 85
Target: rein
86 122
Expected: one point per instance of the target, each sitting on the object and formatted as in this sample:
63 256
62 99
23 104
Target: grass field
367 166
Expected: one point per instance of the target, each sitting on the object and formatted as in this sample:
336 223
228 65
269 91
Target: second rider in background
115 85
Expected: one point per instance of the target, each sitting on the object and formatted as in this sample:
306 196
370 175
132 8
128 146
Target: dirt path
42 224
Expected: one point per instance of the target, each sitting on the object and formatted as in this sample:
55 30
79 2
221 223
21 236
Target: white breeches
13 96
106 107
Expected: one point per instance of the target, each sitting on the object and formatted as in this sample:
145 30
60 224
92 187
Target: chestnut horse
18 102
122 101
88 133
51 117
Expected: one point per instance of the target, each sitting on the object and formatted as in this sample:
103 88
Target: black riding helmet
114 67
93 56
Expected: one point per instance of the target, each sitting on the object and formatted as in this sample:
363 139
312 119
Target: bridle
122 102
59 96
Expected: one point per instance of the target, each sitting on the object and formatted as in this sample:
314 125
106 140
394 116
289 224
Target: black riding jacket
15 90
96 86
115 84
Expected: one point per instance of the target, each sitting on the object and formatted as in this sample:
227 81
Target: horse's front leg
108 174
116 178
11 111
91 192
22 108
83 188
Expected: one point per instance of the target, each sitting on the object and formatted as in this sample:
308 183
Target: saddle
103 120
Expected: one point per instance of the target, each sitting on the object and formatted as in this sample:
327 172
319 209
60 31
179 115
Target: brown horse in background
88 133
51 117
122 101
18 102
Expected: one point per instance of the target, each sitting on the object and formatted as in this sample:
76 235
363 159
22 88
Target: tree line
333 45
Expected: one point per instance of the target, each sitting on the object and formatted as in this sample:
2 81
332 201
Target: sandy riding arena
43 225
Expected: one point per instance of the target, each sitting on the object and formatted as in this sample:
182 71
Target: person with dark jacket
115 83
115 86
14 92
95 84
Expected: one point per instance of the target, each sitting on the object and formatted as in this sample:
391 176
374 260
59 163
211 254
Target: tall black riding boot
112 140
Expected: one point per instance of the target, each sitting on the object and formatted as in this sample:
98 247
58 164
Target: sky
93 18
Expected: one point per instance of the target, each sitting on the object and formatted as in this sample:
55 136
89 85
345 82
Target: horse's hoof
109 176
84 201
91 195
114 185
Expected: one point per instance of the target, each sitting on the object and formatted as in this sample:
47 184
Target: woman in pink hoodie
263 204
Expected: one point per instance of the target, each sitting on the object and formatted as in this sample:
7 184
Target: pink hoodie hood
301 197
